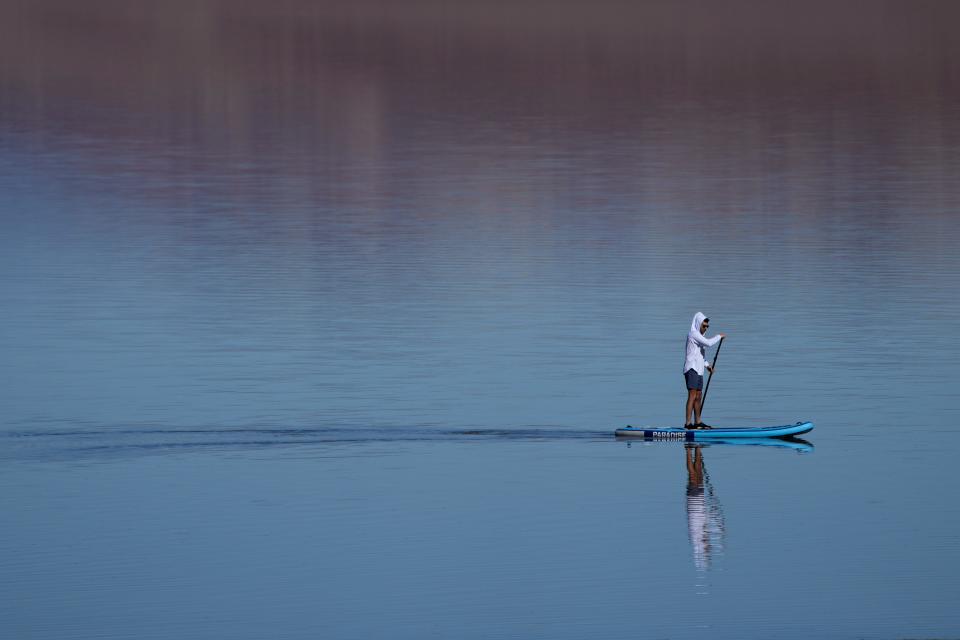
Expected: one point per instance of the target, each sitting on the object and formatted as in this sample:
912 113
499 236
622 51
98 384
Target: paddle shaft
710 377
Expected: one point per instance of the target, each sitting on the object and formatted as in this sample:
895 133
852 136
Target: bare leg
691 402
694 467
697 403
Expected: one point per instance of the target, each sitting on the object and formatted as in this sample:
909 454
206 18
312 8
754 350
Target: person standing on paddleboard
693 366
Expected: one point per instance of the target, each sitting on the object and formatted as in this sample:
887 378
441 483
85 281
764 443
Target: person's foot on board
689 426
702 425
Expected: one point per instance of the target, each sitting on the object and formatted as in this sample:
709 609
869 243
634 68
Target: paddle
710 377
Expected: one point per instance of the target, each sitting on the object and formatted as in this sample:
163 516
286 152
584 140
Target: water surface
318 318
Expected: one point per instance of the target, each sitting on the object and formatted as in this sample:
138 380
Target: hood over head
698 319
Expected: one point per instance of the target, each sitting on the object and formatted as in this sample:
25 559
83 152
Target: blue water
318 320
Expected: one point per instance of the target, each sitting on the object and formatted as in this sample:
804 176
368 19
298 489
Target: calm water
318 319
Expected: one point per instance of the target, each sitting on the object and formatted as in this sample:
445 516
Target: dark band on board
660 434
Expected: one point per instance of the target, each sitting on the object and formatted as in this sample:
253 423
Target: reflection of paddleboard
689 435
796 444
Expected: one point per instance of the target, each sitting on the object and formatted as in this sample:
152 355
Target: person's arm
706 342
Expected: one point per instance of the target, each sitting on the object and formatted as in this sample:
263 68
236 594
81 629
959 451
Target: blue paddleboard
717 433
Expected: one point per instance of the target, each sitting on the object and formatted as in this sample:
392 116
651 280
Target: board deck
717 433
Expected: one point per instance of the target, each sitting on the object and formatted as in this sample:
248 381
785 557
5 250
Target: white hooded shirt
697 344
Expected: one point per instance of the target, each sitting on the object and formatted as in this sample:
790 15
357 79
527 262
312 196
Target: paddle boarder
693 366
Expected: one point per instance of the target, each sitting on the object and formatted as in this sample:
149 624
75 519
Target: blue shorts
694 379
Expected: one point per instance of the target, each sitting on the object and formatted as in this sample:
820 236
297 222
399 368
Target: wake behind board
717 433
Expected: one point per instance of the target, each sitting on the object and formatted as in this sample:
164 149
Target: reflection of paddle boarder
704 515
693 365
